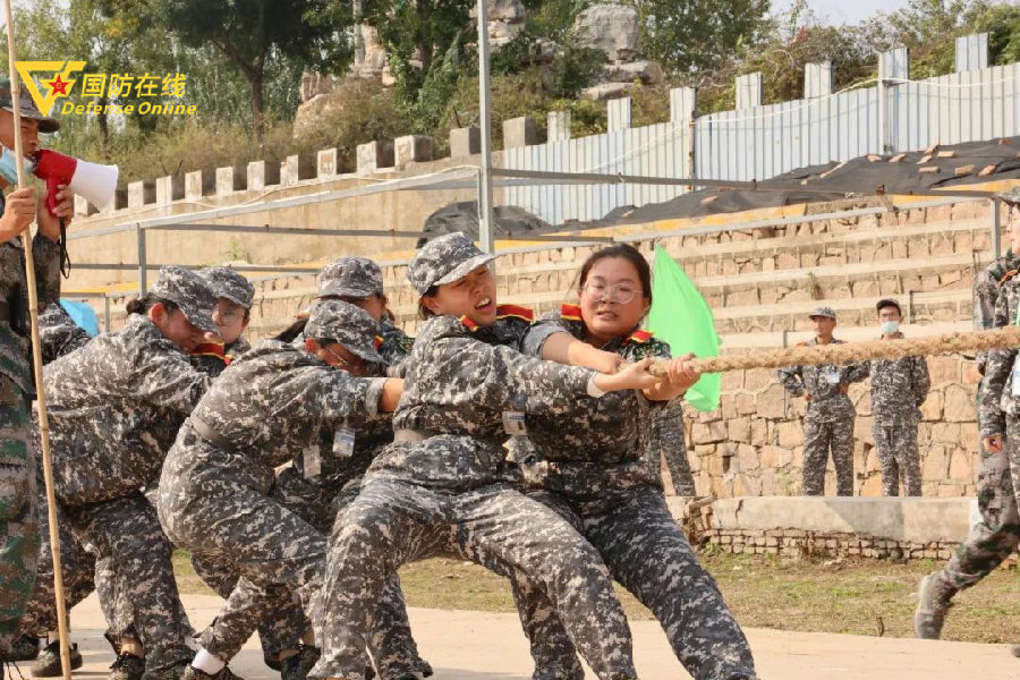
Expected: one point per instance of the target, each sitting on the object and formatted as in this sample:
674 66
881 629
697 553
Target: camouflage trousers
393 522
679 467
647 553
244 531
127 532
393 650
19 530
996 536
819 439
896 444
77 566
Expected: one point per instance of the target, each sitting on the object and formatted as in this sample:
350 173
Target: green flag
681 317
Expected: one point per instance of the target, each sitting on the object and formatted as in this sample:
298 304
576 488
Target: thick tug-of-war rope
849 352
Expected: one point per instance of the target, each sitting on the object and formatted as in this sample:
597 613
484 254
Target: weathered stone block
374 155
465 142
518 132
412 148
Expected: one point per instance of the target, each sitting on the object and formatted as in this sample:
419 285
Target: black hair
290 333
627 252
148 301
882 304
424 312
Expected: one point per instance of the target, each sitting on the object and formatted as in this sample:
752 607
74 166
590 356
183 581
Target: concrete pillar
261 174
82 208
327 162
817 79
229 180
519 132
169 188
682 101
297 167
618 114
894 64
465 142
136 194
412 148
374 155
193 184
558 126
749 90
971 52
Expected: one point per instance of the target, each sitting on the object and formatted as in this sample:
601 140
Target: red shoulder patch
640 336
570 312
514 310
215 349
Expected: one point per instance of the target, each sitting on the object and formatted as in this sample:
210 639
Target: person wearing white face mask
898 388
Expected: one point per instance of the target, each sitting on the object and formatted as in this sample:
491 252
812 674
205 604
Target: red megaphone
95 182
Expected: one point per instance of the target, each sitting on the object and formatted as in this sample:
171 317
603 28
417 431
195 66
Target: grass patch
859 597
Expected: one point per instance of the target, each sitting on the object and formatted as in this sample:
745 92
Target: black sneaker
127 667
424 667
48 665
192 673
25 648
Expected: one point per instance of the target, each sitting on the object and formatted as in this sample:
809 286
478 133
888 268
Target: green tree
690 36
254 34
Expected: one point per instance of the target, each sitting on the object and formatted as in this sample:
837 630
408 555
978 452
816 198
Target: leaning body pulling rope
849 352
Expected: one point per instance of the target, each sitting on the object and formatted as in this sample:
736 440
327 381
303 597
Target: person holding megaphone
19 537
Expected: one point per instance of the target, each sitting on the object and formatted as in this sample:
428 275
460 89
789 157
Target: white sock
208 663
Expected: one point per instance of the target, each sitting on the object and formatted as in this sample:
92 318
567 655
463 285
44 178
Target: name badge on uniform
343 442
312 462
831 375
513 423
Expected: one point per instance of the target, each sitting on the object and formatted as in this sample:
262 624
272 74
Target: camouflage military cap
190 292
230 284
26 107
354 277
350 326
444 260
823 312
1011 197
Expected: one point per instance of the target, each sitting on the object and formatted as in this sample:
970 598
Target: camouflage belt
209 433
400 436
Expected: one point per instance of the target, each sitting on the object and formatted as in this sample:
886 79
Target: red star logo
58 86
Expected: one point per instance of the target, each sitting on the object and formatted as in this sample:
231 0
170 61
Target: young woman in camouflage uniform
317 497
267 407
587 464
439 488
115 407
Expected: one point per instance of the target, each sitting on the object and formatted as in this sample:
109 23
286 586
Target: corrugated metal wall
758 142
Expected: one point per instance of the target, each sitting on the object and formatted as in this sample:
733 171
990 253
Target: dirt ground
865 597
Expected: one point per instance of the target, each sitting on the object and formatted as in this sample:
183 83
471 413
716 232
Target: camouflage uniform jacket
396 345
597 443
996 395
898 388
115 407
270 406
463 381
15 351
986 292
59 334
828 403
